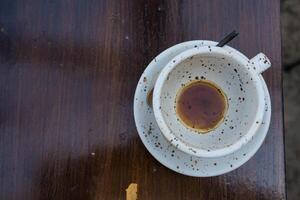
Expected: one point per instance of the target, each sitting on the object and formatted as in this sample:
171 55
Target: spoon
227 38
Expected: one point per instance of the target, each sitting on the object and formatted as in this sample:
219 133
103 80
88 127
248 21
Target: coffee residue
201 105
149 97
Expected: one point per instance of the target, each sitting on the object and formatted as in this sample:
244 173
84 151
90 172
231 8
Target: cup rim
177 142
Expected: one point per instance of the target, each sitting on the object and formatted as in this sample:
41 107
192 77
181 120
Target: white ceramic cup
237 77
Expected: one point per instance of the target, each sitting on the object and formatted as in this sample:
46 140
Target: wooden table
68 71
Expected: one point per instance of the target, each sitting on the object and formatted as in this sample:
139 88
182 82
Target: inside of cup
234 79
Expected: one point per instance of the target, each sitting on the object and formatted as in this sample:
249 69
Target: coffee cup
225 93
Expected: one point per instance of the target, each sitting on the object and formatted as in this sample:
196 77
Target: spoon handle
227 39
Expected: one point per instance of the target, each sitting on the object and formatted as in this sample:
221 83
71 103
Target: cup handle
261 63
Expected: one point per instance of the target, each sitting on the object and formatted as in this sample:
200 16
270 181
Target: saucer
165 152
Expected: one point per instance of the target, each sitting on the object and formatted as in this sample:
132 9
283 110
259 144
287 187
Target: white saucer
166 153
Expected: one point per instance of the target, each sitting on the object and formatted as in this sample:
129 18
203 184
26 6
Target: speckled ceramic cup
238 79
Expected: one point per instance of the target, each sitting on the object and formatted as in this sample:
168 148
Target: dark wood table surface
68 72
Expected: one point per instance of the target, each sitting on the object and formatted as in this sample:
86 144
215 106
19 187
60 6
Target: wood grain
68 71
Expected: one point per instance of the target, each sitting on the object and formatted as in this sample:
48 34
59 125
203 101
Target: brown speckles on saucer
209 48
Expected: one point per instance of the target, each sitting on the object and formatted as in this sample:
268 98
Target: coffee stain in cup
150 97
201 105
